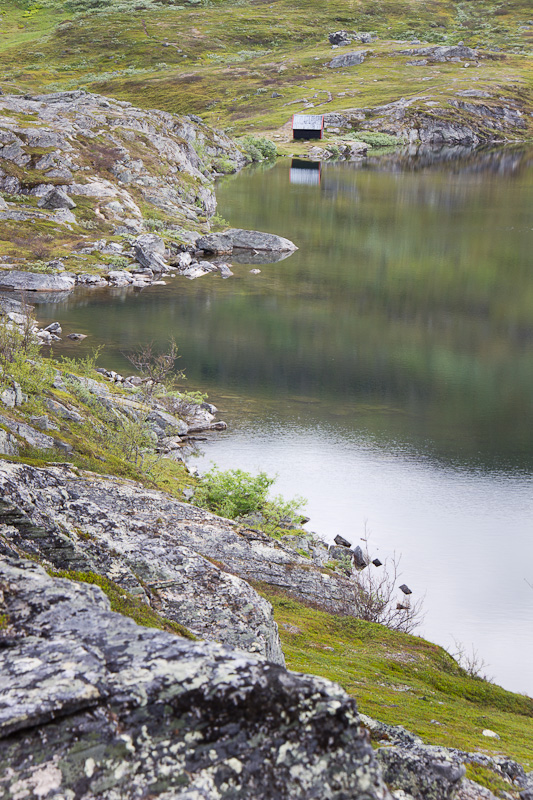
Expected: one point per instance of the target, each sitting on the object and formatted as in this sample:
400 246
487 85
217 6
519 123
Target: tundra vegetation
247 67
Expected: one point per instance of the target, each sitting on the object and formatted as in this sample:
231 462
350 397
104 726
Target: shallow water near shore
384 371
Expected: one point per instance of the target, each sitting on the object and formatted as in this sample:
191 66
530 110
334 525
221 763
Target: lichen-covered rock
441 53
92 706
458 122
137 553
257 240
348 59
425 773
217 243
56 198
125 524
120 158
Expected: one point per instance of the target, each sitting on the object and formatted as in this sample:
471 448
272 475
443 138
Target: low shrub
375 138
258 148
236 494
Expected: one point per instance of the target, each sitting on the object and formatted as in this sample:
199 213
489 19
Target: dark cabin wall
306 134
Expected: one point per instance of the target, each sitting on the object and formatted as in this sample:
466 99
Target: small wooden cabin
307 126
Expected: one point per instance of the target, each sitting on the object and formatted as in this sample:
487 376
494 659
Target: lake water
384 371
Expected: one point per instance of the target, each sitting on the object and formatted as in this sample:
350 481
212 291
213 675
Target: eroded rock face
162 569
139 538
117 156
468 123
118 712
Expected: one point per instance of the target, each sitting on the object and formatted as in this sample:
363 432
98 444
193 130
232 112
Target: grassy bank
401 679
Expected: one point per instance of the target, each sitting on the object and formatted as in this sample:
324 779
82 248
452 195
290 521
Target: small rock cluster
343 38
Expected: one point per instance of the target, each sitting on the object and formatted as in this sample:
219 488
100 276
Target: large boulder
256 240
93 706
348 59
56 198
36 282
149 251
216 243
428 773
340 38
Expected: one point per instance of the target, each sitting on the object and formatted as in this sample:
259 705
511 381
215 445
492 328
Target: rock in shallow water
257 240
36 282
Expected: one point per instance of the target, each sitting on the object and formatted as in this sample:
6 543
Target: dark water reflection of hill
410 288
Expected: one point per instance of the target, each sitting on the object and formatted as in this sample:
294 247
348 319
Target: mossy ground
404 680
125 603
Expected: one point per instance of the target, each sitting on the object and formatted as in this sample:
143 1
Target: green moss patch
125 603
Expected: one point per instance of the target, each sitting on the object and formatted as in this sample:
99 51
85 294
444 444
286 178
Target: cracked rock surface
92 706
138 537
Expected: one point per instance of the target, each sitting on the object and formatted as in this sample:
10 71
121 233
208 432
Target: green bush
258 148
233 493
375 138
236 494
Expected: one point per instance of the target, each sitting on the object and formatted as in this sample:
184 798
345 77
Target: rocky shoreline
93 705
194 719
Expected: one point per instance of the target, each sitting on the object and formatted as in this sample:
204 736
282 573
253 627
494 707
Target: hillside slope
250 65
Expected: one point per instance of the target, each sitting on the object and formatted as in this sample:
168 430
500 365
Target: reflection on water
306 173
384 370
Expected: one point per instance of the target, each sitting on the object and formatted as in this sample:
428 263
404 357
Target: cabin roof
308 122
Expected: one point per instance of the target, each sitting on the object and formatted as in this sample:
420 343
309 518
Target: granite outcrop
94 706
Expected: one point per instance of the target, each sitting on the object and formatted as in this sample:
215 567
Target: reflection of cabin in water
307 173
307 126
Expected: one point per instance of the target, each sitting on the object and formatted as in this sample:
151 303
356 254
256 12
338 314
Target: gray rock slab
118 712
352 59
8 443
56 198
165 424
443 53
30 435
134 526
256 240
60 410
36 282
216 243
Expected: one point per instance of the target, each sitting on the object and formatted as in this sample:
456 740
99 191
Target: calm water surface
384 371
